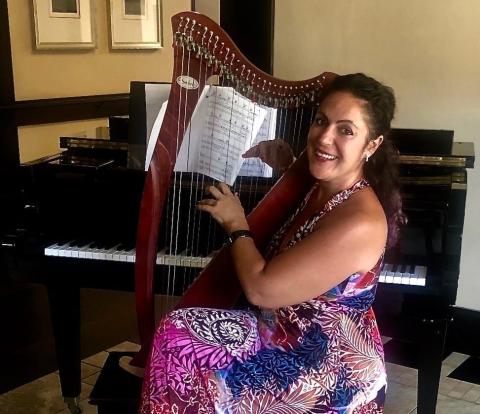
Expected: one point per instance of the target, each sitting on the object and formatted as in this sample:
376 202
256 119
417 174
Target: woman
313 345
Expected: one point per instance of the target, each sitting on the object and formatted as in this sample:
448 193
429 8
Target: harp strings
196 184
194 234
174 200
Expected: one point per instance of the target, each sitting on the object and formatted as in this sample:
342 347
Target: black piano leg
65 313
431 346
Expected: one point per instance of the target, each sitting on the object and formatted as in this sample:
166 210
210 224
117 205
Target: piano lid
423 141
432 148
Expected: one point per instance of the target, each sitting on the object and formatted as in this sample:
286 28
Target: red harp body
202 52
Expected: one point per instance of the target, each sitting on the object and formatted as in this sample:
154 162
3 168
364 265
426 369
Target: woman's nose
326 136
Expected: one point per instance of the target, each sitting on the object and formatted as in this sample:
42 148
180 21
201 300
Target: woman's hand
225 208
276 153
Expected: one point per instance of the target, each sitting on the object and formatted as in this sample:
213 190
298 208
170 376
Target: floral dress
324 355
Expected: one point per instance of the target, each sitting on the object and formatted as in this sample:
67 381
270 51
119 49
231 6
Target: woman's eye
346 131
319 121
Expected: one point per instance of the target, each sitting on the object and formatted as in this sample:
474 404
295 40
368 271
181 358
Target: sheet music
152 139
156 96
223 126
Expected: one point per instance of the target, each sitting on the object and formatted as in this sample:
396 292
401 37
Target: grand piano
80 216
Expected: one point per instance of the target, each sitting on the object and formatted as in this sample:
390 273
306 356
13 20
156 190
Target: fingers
215 192
275 153
206 205
207 202
224 188
252 152
218 191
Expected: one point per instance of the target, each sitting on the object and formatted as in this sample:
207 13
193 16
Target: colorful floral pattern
321 356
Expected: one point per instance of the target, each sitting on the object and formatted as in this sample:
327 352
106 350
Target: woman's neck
326 189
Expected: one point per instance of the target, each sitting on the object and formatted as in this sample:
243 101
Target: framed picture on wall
64 24
136 24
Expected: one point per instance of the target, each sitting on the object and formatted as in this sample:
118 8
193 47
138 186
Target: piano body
83 207
419 278
83 203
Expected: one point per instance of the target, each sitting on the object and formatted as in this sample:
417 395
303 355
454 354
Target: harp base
116 390
125 363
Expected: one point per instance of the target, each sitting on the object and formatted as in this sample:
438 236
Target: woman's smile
324 156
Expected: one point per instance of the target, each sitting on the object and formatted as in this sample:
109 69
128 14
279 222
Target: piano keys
121 252
413 275
399 274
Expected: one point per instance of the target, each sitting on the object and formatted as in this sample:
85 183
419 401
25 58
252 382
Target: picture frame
136 24
64 24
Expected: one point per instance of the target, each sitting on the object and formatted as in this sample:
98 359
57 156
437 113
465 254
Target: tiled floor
43 395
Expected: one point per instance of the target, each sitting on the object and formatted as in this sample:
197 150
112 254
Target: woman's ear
373 145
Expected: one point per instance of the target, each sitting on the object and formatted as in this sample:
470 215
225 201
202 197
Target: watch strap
238 234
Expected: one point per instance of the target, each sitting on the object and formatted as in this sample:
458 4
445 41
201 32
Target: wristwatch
238 234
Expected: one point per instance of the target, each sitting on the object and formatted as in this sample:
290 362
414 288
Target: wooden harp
202 50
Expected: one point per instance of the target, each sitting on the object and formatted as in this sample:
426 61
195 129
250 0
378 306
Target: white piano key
187 261
421 275
82 254
388 273
72 251
406 276
108 254
172 260
179 258
167 260
89 251
63 250
121 255
197 261
97 254
161 256
51 250
131 256
397 275
117 255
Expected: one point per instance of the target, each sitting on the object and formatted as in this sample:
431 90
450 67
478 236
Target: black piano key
79 243
125 247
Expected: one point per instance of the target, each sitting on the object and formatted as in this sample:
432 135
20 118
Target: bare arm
344 242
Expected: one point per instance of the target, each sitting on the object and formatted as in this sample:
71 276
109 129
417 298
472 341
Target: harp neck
205 40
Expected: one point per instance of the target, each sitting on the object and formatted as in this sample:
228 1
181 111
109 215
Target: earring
367 156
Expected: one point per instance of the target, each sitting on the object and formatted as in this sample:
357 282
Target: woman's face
338 140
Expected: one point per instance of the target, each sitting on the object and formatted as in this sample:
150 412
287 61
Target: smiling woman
339 142
311 344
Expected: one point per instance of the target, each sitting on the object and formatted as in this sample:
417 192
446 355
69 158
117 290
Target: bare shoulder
362 208
361 223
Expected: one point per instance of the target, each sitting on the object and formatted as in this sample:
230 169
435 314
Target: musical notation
223 126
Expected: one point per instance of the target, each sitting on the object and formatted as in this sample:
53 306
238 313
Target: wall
210 8
36 141
426 50
54 74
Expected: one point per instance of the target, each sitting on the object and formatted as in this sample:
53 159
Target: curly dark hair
381 170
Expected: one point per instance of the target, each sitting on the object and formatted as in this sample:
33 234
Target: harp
202 52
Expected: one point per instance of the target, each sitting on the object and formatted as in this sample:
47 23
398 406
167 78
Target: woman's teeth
324 155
